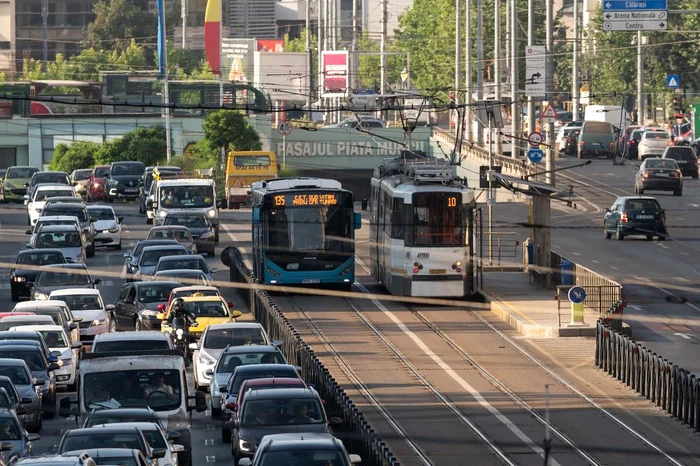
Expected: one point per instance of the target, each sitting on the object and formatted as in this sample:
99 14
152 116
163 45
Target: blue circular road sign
535 155
577 294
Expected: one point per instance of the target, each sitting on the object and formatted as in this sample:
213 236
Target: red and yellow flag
212 35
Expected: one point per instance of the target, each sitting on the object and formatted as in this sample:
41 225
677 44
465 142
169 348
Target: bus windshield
437 220
251 161
186 196
310 229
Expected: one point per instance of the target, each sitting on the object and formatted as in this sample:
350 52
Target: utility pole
515 111
309 98
458 56
382 48
183 15
45 32
469 92
355 58
575 85
497 66
530 41
549 86
319 47
480 64
640 81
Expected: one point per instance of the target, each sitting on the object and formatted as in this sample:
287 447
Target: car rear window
655 135
642 204
680 153
129 345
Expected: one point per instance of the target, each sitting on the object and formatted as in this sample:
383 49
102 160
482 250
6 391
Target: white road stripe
210 458
209 442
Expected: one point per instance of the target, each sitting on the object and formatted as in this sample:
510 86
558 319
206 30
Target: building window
8 157
47 149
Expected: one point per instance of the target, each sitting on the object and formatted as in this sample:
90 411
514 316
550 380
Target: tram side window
381 221
397 220
437 220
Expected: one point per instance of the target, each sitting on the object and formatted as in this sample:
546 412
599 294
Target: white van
138 379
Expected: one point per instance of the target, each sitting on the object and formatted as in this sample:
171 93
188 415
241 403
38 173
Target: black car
110 436
34 257
139 303
147 179
123 180
132 257
657 174
46 177
622 142
631 149
686 158
40 368
639 215
117 415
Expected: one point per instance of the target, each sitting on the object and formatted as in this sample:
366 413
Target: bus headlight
211 213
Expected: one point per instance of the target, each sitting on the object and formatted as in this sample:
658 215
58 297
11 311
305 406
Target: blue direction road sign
535 155
673 81
577 294
611 5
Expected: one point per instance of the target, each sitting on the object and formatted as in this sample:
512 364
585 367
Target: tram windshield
438 219
322 229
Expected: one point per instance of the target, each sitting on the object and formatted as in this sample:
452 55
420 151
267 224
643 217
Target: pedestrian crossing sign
549 115
673 81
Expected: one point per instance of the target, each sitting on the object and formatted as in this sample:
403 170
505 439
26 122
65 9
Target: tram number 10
451 201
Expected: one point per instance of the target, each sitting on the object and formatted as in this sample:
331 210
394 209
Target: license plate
662 174
105 231
131 190
311 280
644 217
83 331
437 271
682 162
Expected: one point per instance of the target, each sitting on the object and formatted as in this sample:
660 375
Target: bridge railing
357 434
671 388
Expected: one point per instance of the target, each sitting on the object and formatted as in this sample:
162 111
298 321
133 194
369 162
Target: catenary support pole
549 86
515 110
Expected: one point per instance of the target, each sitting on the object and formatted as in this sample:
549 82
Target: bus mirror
226 256
358 220
256 215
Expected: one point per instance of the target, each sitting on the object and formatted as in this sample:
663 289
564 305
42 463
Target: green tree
117 23
228 129
146 145
73 157
204 154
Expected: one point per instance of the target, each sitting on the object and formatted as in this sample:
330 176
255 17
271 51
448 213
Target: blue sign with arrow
535 155
634 5
673 81
577 294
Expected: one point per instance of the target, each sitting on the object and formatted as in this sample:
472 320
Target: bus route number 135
279 200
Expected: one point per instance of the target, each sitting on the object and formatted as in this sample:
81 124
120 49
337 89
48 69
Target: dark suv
639 215
686 158
123 180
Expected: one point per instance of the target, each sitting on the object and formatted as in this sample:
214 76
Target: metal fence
357 434
673 389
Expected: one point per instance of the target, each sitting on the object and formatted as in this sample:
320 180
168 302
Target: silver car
29 389
66 238
59 277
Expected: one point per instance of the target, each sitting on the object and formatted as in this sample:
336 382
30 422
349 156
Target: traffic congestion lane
107 265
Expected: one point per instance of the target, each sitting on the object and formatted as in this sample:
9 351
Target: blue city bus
304 232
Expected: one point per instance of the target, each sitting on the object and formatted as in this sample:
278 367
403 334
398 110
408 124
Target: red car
96 183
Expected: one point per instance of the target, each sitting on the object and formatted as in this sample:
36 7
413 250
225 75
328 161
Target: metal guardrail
515 166
598 299
501 245
357 434
673 389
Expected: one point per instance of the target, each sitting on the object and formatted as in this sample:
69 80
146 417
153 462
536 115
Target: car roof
49 218
199 299
68 205
12 362
113 428
164 247
194 288
133 335
169 227
24 318
626 198
18 334
179 258
263 367
41 186
247 348
43 304
293 441
100 207
187 212
74 291
141 425
235 325
178 272
69 266
47 327
282 393
274 380
155 282
40 251
126 412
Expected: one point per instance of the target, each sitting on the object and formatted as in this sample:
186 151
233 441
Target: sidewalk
531 309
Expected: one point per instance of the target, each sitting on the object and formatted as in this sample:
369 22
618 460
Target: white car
59 344
215 339
35 206
53 220
48 307
108 228
88 304
157 438
653 144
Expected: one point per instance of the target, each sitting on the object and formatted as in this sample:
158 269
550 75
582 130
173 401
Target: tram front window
438 219
319 229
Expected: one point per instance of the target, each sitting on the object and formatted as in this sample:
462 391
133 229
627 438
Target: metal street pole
458 55
45 32
469 92
575 85
497 61
166 97
549 86
183 15
515 106
640 81
489 191
319 48
309 97
355 58
480 64
530 41
382 50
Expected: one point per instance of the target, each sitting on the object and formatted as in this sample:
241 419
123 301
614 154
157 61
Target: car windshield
77 211
681 153
55 178
101 172
151 258
9 388
190 277
82 174
235 384
17 374
59 240
142 244
301 457
642 204
54 338
207 309
638 133
222 337
154 293
159 390
282 411
9 430
43 194
181 236
40 258
20 172
186 196
99 440
102 214
73 278
127 169
669 164
32 356
184 263
190 221
229 362
154 438
81 302
655 135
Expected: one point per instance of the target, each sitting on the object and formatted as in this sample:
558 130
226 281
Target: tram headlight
457 266
417 267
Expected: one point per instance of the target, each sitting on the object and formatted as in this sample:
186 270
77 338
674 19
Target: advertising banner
335 65
270 45
238 59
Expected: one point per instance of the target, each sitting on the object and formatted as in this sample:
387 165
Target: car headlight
205 359
40 295
19 279
114 230
244 445
64 362
78 258
163 213
8 184
113 182
206 234
179 332
97 322
211 213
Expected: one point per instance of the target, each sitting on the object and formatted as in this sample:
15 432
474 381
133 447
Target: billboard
285 75
335 66
270 45
238 58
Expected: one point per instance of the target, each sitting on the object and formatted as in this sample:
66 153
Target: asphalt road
107 265
660 279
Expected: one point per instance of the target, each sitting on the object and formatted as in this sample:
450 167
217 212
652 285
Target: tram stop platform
531 309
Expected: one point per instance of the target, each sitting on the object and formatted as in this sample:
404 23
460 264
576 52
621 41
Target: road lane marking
689 304
210 458
211 427
209 442
635 307
685 336
614 268
576 253
595 261
456 377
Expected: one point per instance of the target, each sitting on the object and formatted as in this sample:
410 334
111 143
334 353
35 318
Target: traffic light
678 103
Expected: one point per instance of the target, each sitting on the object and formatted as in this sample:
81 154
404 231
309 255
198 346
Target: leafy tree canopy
147 145
230 130
74 157
117 23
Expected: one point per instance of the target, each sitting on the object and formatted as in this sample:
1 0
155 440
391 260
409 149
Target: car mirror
226 256
28 232
39 382
55 353
29 246
93 219
277 343
237 314
200 401
214 270
193 346
26 401
64 407
160 316
33 437
335 420
30 284
149 204
77 319
120 219
96 281
173 435
6 446
158 453
232 424
607 209
76 345
244 462
26 185
209 372
161 307
354 459
53 367
72 326
110 307
223 390
21 411
194 324
26 201
177 448
106 175
127 256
